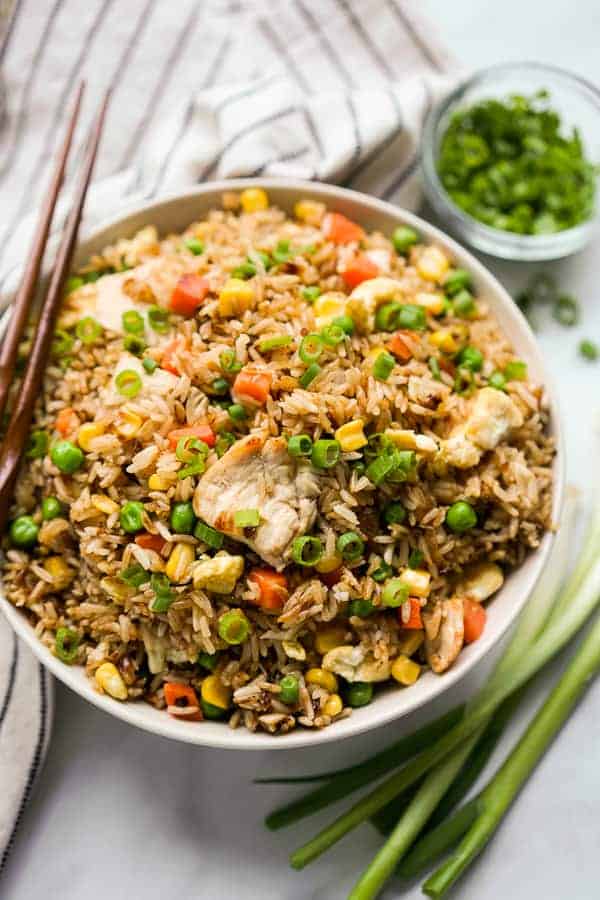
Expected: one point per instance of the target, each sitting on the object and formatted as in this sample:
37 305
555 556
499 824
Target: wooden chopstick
18 427
23 299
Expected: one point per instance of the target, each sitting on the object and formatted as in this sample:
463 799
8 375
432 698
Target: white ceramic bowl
174 214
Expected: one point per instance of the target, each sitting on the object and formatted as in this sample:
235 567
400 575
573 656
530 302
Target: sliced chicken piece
444 628
259 473
492 416
356 664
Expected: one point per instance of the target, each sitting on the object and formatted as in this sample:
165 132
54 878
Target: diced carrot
331 578
414 620
340 229
474 617
182 702
272 586
401 345
65 421
253 384
188 294
169 355
359 269
202 431
150 541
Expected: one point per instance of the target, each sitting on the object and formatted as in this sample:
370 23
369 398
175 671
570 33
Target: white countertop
122 814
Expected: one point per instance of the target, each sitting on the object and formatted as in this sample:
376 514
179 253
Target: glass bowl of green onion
511 159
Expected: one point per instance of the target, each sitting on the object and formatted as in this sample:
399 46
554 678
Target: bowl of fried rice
294 470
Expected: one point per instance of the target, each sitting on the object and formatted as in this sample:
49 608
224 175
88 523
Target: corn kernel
128 423
116 589
329 638
328 564
178 565
88 432
323 679
254 199
158 483
351 436
110 682
411 642
444 340
328 307
417 581
433 264
62 575
215 692
406 439
405 670
333 706
218 574
310 211
433 303
104 504
236 297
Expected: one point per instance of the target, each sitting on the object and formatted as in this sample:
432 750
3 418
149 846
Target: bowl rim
218 735
495 241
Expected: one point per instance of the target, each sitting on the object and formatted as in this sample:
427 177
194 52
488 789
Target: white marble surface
121 814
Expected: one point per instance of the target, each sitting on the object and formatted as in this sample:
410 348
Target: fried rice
173 534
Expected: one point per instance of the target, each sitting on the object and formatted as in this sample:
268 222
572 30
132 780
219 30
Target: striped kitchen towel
335 90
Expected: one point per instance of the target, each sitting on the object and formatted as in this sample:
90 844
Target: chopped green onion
470 358
209 535
404 238
464 305
132 321
311 293
311 348
274 343
589 350
395 593
345 322
245 271
497 380
299 445
434 368
333 334
350 546
394 513
411 317
128 383
380 468
415 559
387 316
383 365
73 283
158 319
66 645
62 343
134 575
234 627
282 252
134 344
88 330
92 276
149 364
208 661
246 518
383 571
516 370
360 608
463 382
264 258
195 246
192 451
229 363
237 412
307 551
309 375
37 445
325 453
163 595
456 281
225 440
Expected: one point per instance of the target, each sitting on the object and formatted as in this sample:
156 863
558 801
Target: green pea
497 380
208 660
149 364
182 518
457 280
195 246
394 513
470 358
289 690
461 517
23 532
211 711
464 305
403 238
311 293
360 608
411 317
359 694
66 457
51 508
131 516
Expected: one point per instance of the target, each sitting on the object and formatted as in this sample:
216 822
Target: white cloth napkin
334 90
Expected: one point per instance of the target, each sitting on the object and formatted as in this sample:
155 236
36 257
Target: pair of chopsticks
17 431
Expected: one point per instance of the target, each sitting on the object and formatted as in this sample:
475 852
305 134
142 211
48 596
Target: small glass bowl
578 104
